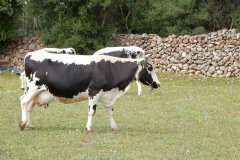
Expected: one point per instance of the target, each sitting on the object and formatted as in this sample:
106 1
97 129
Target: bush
84 36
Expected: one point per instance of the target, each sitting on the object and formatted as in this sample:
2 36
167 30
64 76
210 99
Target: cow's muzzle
155 85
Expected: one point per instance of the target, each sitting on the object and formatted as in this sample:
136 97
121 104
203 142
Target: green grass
187 118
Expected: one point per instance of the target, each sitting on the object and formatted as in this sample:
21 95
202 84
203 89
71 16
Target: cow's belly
80 97
109 97
43 98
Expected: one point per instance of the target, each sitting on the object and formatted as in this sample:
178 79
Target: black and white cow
72 78
132 52
49 50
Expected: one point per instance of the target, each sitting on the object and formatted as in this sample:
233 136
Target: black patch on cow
133 56
68 80
94 107
93 92
73 52
63 51
51 51
27 90
145 77
112 109
121 54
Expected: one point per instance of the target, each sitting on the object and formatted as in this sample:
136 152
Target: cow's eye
133 56
150 68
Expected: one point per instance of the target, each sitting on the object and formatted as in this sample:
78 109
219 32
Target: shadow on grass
52 128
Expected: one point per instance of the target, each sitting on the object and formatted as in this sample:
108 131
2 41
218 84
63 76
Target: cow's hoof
22 125
89 131
115 129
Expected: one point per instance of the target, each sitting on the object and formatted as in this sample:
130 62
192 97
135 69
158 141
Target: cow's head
135 52
147 75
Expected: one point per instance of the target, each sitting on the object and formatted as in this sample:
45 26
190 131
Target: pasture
188 117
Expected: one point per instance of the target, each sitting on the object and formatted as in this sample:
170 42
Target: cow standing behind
132 52
73 78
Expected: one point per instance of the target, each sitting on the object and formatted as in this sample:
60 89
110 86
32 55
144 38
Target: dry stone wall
215 54
16 51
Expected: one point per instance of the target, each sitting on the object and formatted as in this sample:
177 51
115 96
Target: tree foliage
10 11
176 17
83 25
88 25
223 14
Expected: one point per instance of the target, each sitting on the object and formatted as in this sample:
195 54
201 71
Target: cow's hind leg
25 102
93 100
111 118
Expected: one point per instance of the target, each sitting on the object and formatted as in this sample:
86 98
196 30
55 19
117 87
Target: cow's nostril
155 85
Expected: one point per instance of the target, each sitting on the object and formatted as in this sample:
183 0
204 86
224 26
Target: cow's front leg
23 121
25 102
111 118
29 117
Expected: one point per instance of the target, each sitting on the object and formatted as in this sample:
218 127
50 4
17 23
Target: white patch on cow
108 98
46 73
67 59
154 77
43 98
59 50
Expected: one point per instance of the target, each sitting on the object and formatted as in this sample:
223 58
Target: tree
175 17
83 25
88 25
222 14
10 12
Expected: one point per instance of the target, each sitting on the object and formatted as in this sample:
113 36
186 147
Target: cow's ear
149 66
144 64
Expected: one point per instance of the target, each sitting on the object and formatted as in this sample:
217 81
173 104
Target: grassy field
187 118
